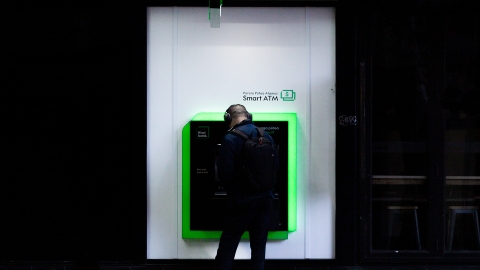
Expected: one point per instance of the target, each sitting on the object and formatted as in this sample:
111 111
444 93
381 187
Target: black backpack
259 166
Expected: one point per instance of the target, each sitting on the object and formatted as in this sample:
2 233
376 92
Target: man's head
235 114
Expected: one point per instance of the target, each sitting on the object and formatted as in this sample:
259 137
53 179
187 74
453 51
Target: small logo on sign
287 95
203 132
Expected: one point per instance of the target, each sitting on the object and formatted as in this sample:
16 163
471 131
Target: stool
458 210
392 211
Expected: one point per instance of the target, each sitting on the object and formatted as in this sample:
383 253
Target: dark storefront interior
408 71
421 130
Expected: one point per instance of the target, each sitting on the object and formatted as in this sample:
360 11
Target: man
247 210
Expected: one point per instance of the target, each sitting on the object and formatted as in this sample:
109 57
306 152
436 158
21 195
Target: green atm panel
204 199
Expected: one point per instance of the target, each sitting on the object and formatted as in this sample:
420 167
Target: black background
73 131
72 95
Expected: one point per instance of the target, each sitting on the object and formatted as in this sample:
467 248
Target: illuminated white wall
193 68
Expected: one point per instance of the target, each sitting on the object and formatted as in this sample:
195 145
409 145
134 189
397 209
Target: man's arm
277 160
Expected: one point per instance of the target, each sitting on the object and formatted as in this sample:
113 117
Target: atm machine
204 200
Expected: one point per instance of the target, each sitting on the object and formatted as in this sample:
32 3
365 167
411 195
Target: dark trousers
254 217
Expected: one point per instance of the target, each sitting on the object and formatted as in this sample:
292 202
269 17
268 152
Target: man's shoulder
246 125
231 136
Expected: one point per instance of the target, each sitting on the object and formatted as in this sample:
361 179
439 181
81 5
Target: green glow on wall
292 174
186 182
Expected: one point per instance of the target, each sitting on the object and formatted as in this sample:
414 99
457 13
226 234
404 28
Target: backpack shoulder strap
239 133
260 131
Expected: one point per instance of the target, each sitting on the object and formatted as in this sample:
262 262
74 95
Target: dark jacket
228 164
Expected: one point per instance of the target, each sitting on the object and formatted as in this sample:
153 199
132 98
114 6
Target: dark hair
234 111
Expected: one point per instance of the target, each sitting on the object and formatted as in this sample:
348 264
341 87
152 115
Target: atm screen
208 198
205 200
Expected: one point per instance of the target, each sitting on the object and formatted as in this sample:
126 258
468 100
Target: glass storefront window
460 102
424 190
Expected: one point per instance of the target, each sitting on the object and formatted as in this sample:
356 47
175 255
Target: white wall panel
162 146
320 215
255 50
